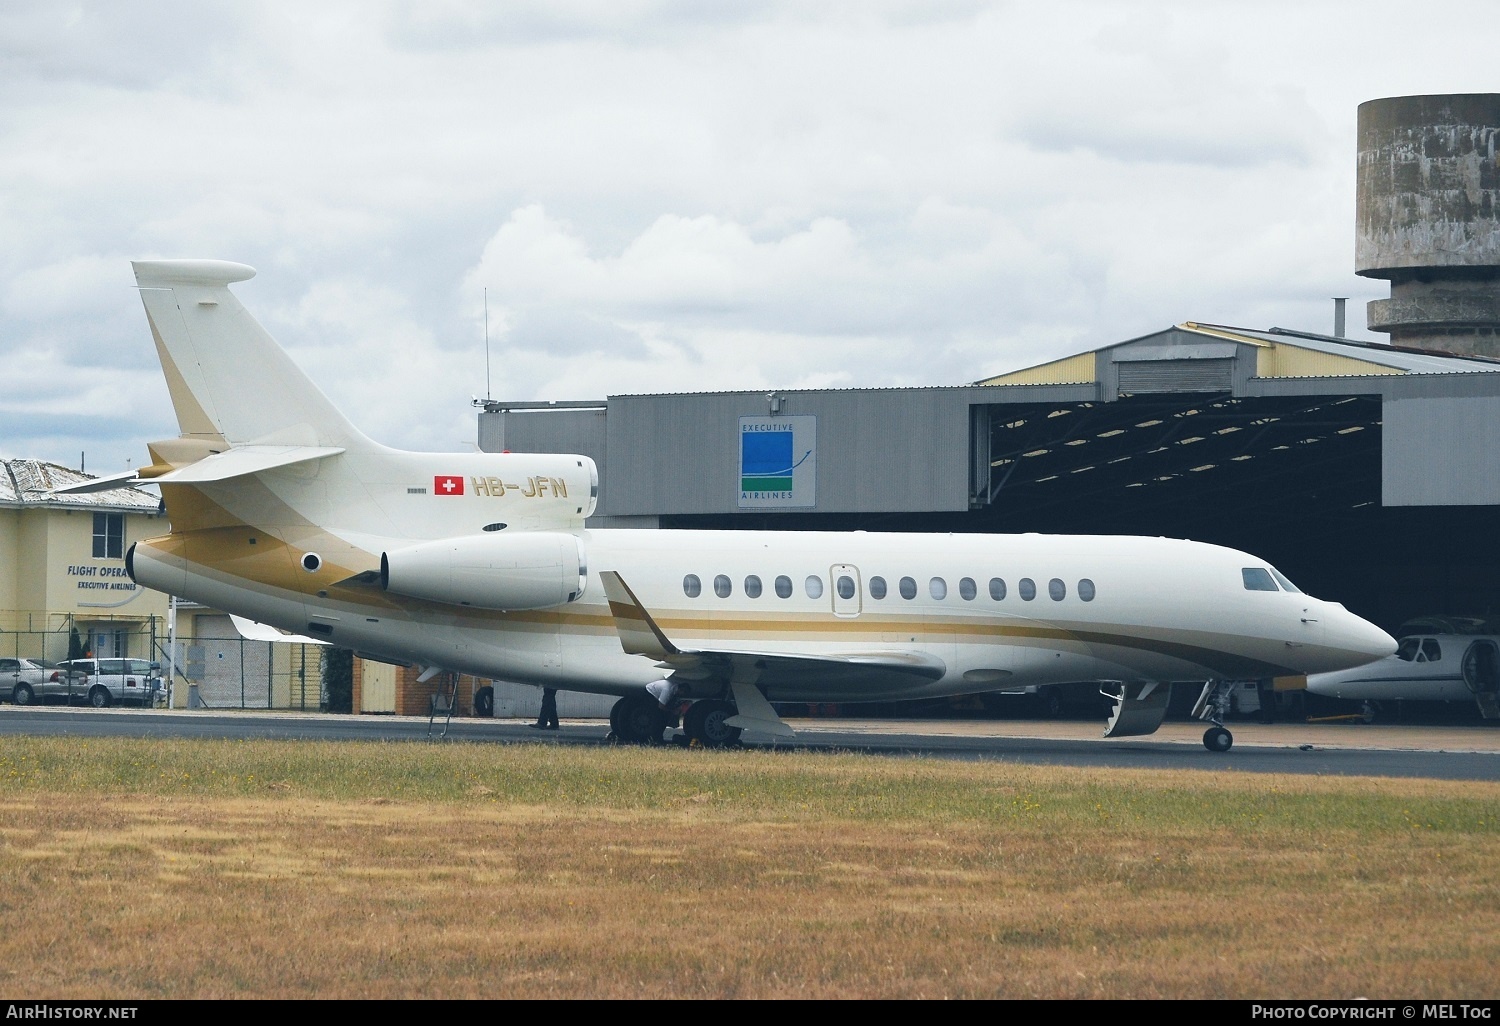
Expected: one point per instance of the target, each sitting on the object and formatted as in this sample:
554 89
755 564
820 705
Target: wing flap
753 712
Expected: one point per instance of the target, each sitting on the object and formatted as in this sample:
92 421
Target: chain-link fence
209 670
235 673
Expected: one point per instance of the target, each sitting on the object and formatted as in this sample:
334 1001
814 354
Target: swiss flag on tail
447 484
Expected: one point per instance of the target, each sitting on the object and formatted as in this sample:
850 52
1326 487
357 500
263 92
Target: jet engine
530 570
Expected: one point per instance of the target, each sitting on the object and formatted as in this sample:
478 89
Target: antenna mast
478 403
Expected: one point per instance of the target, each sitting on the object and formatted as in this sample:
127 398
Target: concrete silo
1428 219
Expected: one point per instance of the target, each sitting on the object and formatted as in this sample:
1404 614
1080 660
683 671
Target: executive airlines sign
778 462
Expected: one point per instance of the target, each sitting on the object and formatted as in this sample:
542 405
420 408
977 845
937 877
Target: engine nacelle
526 570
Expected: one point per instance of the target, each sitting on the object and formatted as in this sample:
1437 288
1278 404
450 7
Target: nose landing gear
1213 705
1217 739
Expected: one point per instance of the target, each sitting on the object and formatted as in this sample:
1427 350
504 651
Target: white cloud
668 195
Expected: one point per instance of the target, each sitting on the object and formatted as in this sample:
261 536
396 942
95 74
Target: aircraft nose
1360 637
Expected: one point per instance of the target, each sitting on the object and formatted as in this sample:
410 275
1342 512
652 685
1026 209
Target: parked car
102 682
21 680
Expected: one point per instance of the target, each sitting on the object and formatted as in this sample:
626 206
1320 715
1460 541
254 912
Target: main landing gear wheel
1217 739
637 719
704 723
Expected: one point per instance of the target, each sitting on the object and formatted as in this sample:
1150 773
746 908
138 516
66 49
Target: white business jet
1428 667
282 512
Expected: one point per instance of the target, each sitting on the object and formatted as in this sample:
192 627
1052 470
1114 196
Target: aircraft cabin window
1027 588
1285 584
1431 650
908 588
752 586
814 586
1257 579
967 589
846 587
722 586
1086 590
877 587
937 588
1407 650
691 586
997 589
783 587
1057 589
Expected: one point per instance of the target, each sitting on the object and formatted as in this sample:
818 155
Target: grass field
140 869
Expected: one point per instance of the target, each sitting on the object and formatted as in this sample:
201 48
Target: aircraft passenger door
845 589
1481 667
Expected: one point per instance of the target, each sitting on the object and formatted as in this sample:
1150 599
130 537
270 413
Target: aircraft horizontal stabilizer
222 466
98 484
243 460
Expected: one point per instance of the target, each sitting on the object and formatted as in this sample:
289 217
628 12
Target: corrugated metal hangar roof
1280 353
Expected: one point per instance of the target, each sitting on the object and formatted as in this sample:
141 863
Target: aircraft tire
1217 739
637 720
22 695
705 724
484 702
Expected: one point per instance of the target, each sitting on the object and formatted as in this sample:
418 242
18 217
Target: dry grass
230 869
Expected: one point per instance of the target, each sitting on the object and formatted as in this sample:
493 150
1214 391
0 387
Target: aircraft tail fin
230 382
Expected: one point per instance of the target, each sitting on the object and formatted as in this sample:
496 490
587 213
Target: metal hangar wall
1365 472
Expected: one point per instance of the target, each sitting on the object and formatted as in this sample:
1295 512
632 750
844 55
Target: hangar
1364 471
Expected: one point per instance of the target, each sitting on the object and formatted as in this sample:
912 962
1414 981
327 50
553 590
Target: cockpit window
1258 579
1285 584
1407 650
1431 650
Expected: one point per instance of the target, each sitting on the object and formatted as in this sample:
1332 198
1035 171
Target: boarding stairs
443 702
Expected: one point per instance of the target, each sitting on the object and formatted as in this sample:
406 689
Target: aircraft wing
865 674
